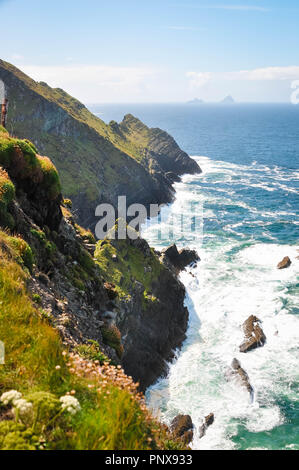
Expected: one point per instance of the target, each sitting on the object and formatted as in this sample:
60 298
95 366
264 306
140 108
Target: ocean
249 197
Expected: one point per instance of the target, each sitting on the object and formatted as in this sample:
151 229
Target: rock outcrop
150 312
284 263
97 162
241 376
254 335
208 421
182 428
179 259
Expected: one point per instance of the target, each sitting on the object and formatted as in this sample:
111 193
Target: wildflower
57 367
70 404
10 397
23 406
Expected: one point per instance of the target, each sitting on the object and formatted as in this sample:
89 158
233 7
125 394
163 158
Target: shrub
7 194
36 298
92 351
15 436
50 177
22 251
112 337
85 234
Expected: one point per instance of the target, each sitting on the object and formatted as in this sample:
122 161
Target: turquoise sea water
249 192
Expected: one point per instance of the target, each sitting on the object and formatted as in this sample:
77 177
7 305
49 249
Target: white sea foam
232 281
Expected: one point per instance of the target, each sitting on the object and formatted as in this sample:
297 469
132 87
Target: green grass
7 194
129 266
19 157
111 416
92 352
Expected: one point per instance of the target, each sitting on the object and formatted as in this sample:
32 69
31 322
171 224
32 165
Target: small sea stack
182 428
254 335
284 263
208 421
179 260
241 376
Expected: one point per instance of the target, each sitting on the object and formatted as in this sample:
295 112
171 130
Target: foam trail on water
237 277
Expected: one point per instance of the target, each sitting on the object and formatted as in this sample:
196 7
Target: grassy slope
38 365
111 416
133 146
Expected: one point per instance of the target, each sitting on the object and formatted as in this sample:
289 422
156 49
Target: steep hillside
72 319
97 162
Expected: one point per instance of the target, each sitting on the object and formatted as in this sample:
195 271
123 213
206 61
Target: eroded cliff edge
97 162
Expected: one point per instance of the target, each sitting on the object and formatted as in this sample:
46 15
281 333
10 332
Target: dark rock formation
254 335
285 263
152 330
160 147
208 421
241 376
174 178
179 259
182 427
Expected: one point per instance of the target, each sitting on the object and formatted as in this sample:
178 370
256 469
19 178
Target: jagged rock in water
182 427
285 263
179 259
254 335
241 376
208 421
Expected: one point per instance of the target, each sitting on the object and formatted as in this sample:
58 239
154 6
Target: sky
156 50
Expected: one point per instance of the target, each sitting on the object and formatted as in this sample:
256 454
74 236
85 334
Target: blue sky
156 50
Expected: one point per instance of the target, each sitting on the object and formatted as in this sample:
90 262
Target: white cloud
95 83
199 79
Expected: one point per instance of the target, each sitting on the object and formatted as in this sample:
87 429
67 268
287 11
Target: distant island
228 100
195 101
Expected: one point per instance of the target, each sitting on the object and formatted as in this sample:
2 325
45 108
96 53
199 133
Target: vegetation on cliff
97 162
62 386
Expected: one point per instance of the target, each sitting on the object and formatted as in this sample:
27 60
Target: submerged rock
241 376
179 259
182 427
208 421
254 335
285 263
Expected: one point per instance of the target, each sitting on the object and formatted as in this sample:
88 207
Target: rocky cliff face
97 162
148 306
116 293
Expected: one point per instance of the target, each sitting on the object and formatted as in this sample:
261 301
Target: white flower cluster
23 406
15 398
70 404
10 397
